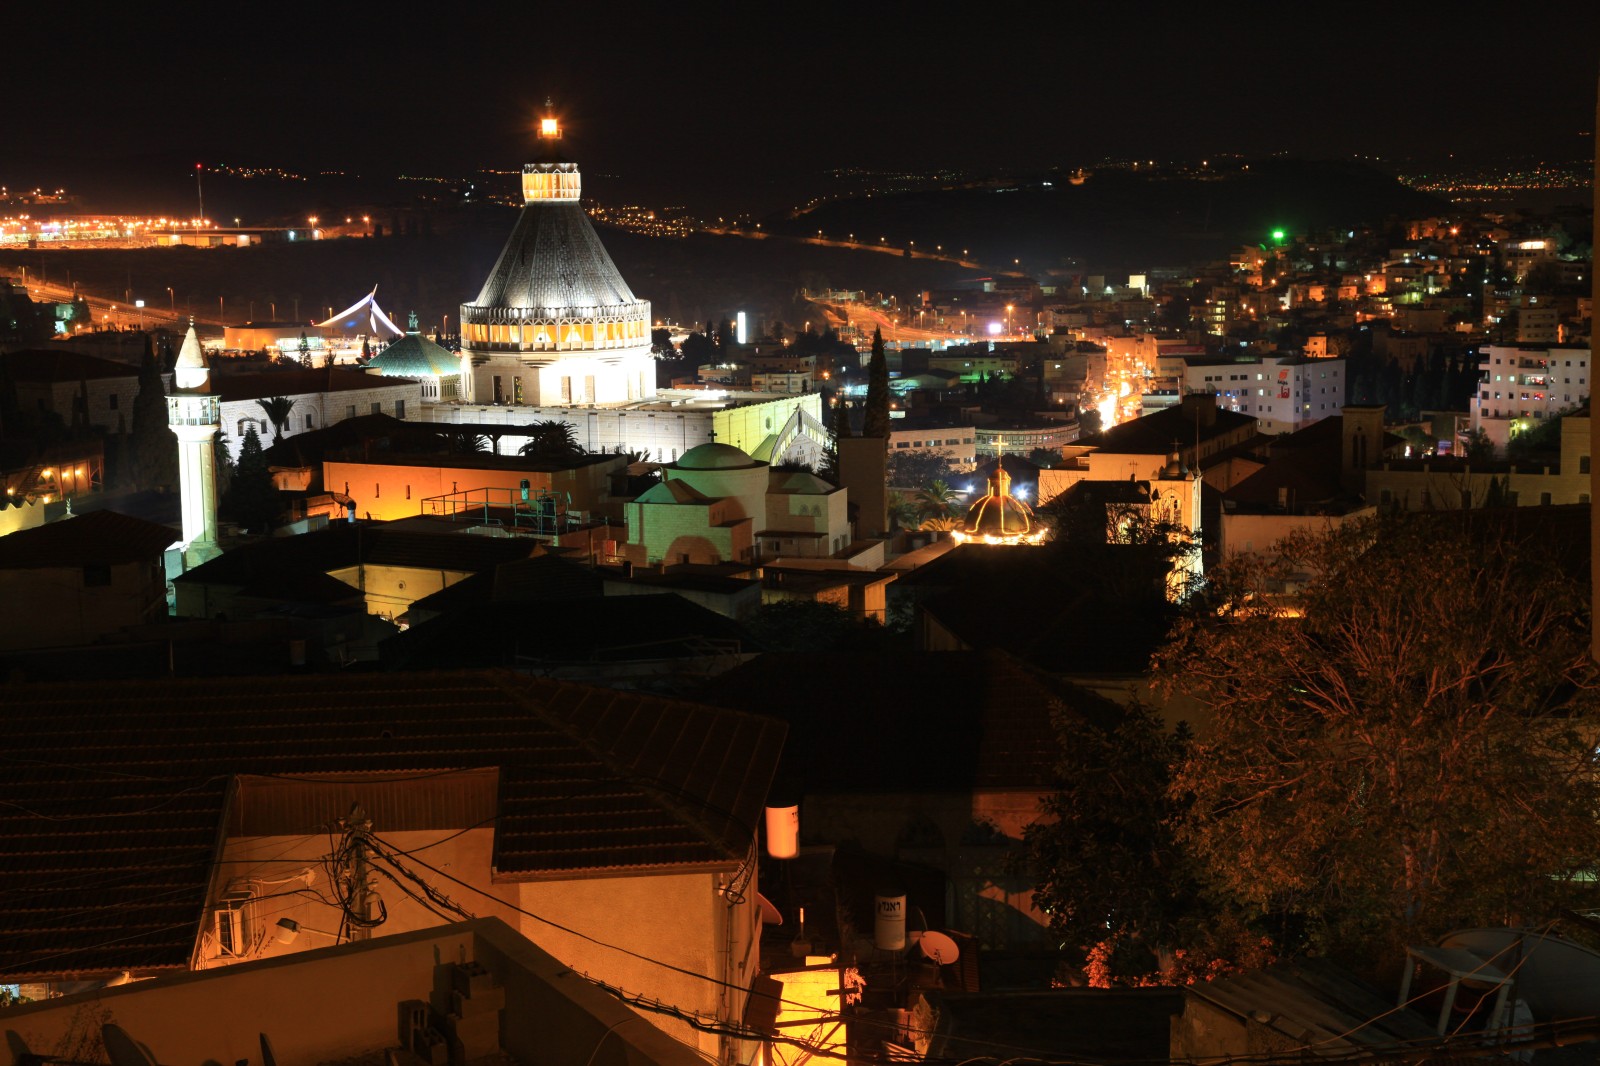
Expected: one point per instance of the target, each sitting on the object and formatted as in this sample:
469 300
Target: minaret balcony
193 410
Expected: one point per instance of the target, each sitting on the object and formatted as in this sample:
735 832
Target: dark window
96 575
113 401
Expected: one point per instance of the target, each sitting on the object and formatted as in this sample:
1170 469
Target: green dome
714 457
415 356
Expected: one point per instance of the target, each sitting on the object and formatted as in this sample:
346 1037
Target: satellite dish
122 1049
769 914
936 947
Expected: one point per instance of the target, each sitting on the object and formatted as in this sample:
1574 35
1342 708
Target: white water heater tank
889 926
783 832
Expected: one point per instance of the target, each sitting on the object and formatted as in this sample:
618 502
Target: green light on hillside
1278 235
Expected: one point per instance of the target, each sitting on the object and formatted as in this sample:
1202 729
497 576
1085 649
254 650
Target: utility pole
359 826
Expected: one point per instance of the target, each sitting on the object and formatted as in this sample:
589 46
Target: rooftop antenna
1197 433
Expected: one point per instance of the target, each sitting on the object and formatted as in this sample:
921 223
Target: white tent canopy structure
378 323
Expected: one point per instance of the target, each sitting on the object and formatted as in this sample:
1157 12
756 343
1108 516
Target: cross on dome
549 125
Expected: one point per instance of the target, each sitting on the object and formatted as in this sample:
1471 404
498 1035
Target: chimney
1200 408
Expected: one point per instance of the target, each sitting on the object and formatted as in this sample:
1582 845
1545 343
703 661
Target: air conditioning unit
231 924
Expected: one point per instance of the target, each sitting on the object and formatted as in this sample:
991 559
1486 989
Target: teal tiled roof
415 356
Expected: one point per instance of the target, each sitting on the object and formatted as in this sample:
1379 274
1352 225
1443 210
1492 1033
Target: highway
119 314
866 317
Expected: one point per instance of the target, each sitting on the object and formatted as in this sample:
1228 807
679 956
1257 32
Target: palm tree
277 409
464 442
938 500
551 439
902 512
941 523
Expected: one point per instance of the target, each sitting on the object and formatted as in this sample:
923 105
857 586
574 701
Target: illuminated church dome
715 456
999 517
555 324
415 356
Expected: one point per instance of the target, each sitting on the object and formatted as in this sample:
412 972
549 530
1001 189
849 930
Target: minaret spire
194 415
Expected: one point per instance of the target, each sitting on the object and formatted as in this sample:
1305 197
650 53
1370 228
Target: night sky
748 103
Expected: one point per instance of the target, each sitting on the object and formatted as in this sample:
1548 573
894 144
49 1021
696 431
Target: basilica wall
390 491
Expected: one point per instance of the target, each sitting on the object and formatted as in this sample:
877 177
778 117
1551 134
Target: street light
172 301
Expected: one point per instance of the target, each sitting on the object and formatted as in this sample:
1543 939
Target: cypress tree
252 499
877 413
155 449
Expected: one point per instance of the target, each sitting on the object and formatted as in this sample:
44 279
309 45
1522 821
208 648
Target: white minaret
194 416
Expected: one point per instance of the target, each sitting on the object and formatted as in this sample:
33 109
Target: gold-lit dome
555 323
999 517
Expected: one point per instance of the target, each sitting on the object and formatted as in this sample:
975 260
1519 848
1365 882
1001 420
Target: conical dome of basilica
554 322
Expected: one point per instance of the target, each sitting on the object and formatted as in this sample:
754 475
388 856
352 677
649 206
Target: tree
1479 447
1044 457
698 349
1104 855
155 450
464 442
1410 749
916 469
938 500
876 423
1089 421
277 409
551 439
80 317
1541 438
304 348
811 626
252 499
841 418
223 464
902 511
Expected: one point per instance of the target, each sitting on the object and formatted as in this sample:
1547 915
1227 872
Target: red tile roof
233 386
113 797
100 538
39 365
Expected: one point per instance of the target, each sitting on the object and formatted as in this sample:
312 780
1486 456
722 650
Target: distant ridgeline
1123 217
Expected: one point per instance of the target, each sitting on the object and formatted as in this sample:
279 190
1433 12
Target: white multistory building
1284 393
1518 387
